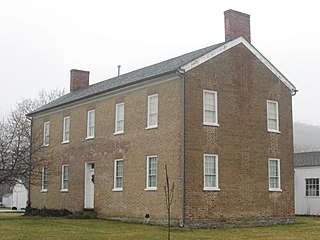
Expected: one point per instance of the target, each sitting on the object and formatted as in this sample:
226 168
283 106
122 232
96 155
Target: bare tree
15 141
169 197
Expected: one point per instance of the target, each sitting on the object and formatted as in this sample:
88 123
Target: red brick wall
133 146
241 141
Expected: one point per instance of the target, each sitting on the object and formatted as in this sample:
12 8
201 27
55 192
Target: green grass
20 227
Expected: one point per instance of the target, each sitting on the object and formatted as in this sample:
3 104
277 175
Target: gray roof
140 75
307 159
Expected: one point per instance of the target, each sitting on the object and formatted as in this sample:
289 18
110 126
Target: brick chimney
78 79
236 24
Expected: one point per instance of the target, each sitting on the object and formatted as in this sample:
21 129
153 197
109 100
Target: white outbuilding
307 177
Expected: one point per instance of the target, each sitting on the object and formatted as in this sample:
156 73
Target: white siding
305 205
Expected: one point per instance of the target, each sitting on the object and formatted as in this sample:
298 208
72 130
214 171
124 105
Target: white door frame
88 186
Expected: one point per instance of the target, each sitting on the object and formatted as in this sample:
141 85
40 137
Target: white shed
307 178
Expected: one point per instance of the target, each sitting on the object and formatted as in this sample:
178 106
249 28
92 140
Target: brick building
219 117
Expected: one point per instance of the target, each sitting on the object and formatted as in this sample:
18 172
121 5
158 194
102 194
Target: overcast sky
41 40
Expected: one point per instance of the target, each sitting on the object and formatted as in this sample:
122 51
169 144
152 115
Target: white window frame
273 189
66 130
118 119
46 133
215 110
277 130
155 125
152 188
315 192
90 125
64 178
216 168
115 187
44 178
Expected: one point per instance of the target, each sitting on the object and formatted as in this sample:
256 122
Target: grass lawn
20 227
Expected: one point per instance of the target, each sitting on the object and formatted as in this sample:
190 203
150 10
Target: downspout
181 74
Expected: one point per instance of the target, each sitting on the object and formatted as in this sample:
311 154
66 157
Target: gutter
181 73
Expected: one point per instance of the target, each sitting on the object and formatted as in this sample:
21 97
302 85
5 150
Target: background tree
15 140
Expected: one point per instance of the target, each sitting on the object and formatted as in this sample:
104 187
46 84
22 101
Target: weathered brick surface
241 141
133 146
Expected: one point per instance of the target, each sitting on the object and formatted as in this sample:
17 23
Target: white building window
152 111
90 124
118 175
273 116
210 108
64 177
152 162
66 130
119 124
210 165
44 179
46 133
312 187
274 174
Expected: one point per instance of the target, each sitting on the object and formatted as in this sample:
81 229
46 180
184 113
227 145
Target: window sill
211 189
275 190
312 196
151 189
117 190
44 190
118 133
151 127
211 124
64 142
89 138
45 145
64 190
273 131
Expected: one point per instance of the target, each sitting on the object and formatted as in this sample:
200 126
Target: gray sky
41 40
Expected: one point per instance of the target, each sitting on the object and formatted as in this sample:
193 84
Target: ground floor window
312 187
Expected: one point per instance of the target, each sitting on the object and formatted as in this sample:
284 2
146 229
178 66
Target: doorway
89 186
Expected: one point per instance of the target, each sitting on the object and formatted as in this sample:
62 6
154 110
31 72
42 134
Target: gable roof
182 63
307 159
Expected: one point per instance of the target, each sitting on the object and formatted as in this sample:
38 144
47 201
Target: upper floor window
65 177
210 172
273 116
46 132
66 130
312 187
118 175
90 124
119 124
152 162
210 109
152 111
44 179
274 174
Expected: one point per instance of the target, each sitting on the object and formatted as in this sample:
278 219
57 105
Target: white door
89 186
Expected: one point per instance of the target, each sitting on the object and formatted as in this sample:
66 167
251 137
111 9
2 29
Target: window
65 178
118 175
90 124
152 111
44 179
210 172
273 116
210 111
46 132
66 130
312 187
151 173
119 126
274 174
